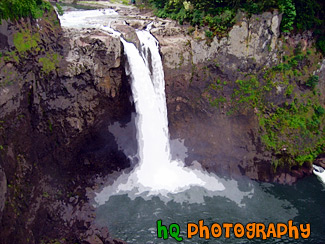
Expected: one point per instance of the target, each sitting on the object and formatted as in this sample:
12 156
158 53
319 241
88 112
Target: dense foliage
219 15
14 9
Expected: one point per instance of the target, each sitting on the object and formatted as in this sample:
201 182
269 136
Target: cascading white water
156 172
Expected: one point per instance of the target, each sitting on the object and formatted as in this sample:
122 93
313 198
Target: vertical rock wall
58 95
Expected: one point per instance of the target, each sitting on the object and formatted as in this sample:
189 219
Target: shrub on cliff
287 102
288 9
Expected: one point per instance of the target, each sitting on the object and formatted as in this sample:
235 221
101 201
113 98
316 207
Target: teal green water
135 220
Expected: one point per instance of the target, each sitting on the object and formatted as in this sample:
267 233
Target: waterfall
156 172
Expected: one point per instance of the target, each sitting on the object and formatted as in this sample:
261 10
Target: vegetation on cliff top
219 15
14 9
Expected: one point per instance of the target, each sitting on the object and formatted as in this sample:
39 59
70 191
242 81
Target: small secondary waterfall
320 172
156 173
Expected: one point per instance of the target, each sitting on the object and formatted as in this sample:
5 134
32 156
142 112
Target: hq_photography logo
238 230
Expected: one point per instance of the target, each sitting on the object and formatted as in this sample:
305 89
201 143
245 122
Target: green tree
14 9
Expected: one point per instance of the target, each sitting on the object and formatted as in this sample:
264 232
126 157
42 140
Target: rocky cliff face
223 144
228 145
59 92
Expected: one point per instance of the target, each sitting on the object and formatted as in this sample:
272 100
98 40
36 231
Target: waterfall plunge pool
135 220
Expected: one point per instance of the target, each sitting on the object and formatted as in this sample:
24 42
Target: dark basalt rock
3 191
54 133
